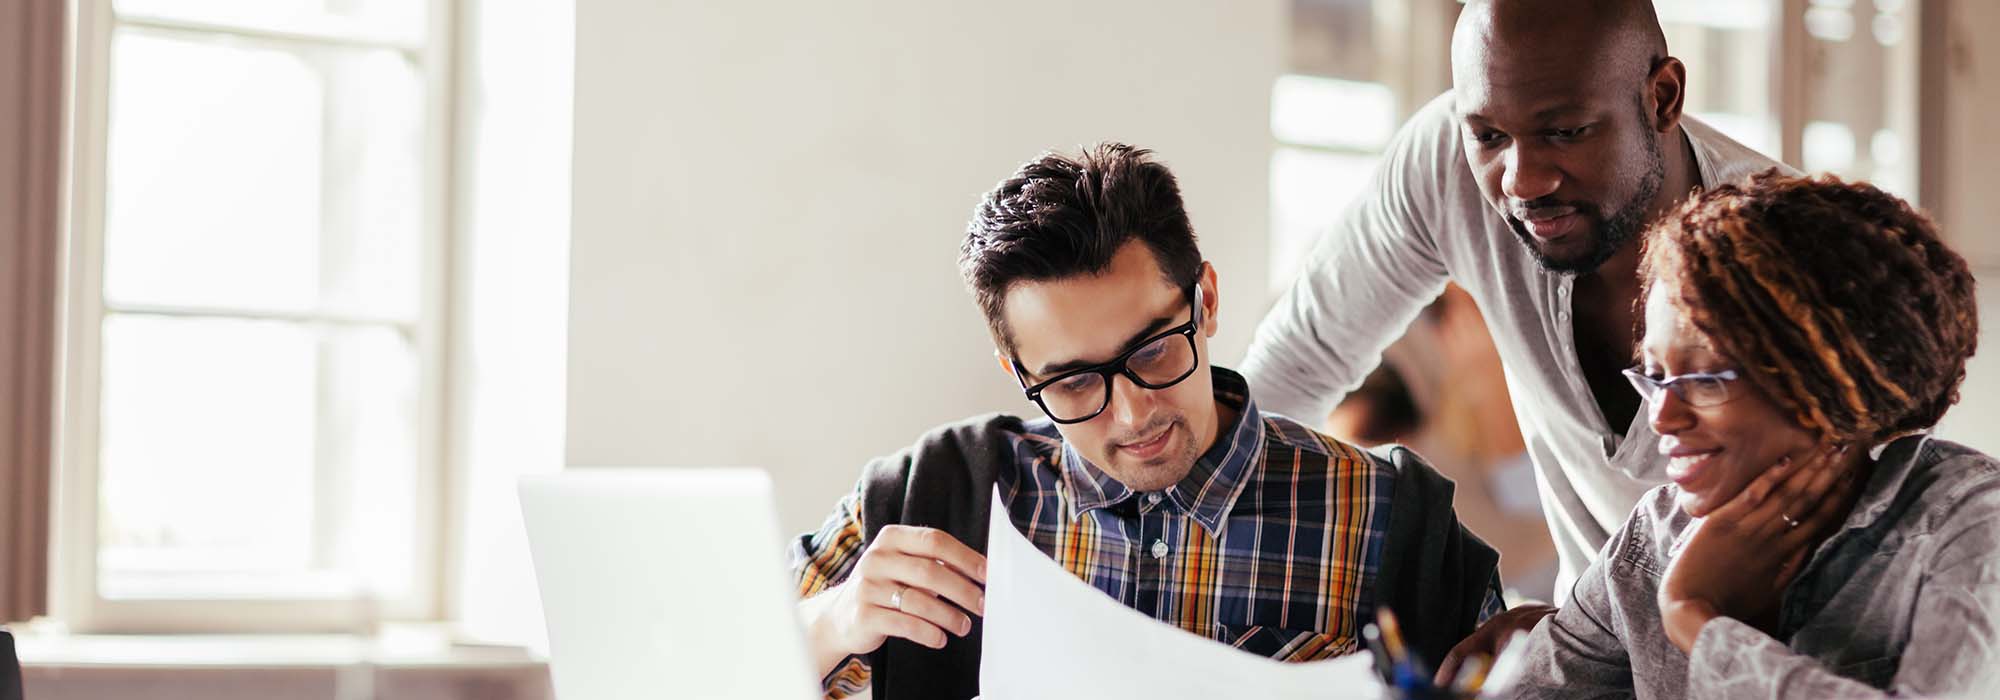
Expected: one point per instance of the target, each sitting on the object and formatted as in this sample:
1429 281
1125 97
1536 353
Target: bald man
1528 184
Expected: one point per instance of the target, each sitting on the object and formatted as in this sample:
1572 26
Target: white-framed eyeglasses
1701 389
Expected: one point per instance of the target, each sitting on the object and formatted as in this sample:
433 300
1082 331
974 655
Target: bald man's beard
1612 232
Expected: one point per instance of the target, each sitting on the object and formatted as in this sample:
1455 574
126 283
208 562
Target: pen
1392 635
1409 678
1384 666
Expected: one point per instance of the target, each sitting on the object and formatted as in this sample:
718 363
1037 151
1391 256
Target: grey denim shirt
1903 600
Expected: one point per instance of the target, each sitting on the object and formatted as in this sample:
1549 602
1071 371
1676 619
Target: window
1825 85
1332 113
1861 115
1726 46
1330 134
253 383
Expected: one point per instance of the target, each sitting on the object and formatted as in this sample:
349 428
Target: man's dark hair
1061 216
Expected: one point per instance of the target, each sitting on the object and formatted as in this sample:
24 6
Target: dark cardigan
10 668
1435 573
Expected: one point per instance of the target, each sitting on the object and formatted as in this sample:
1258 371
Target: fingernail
964 627
982 605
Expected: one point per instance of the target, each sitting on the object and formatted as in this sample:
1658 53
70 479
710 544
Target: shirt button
1562 291
1159 549
1562 316
1153 498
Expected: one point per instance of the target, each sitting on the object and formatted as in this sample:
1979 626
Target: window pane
400 21
212 424
1829 147
1726 47
207 425
369 432
277 179
1312 111
213 186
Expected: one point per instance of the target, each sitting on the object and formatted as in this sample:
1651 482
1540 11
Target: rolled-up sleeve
822 559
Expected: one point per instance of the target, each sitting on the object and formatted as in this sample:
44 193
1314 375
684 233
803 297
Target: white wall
1970 213
769 200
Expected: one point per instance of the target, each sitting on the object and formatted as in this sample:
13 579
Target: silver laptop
665 583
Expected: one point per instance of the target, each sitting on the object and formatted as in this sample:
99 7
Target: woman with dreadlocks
1801 338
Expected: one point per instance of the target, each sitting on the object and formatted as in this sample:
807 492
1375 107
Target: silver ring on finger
896 599
1789 522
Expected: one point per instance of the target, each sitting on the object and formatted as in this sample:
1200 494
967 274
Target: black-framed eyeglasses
1701 389
1157 362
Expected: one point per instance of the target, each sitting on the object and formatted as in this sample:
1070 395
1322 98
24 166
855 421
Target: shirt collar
1210 488
1704 159
1895 463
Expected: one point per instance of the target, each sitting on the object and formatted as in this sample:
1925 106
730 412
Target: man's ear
1210 301
1666 94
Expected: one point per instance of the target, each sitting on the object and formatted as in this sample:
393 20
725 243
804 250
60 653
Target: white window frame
76 601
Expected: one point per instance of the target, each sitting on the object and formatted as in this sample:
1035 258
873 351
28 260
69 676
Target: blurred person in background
1440 391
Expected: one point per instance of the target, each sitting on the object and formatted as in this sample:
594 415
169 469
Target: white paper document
1050 635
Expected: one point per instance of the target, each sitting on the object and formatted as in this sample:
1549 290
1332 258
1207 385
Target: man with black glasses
1153 475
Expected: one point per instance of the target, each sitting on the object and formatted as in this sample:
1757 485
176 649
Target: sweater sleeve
821 560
